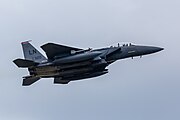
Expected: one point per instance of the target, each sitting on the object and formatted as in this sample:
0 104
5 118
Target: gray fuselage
88 64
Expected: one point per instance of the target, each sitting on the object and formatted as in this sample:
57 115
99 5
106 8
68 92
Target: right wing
53 50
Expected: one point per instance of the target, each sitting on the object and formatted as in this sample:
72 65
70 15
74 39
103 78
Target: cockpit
123 45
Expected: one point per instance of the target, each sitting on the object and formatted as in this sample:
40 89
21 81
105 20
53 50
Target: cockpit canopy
123 44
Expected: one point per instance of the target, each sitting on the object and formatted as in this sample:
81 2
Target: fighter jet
65 64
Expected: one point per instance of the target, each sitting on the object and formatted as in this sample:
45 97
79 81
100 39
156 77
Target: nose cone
144 50
154 49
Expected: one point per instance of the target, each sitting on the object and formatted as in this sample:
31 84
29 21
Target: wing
53 50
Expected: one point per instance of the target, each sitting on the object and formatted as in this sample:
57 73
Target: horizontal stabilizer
24 63
53 50
30 80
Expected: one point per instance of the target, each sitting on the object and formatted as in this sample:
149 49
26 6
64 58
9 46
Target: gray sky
138 89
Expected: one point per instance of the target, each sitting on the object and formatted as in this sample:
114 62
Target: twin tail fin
31 53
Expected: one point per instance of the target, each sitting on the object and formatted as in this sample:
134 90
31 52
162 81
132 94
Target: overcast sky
138 89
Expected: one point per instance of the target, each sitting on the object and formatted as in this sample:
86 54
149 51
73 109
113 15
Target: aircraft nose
143 50
155 49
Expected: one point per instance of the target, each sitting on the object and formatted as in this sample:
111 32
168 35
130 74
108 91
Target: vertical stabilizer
31 53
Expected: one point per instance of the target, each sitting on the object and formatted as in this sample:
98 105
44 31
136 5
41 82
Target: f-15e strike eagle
65 64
